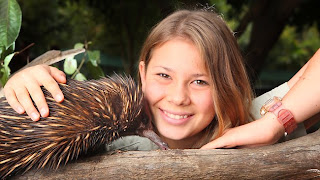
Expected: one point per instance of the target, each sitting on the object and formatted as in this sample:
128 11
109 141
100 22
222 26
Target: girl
192 75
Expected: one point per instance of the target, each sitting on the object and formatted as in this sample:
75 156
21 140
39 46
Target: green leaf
80 77
4 52
70 65
8 59
12 46
6 69
1 51
94 57
10 22
95 71
78 46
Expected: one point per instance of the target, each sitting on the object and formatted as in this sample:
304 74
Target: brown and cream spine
93 113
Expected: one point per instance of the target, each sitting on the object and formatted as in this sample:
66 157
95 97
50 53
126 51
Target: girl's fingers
38 98
212 145
221 142
13 101
25 100
50 77
58 75
48 81
27 84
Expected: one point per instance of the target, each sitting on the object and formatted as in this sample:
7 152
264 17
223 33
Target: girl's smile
175 118
178 88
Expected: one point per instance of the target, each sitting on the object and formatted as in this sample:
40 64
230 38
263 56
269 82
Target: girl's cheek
154 91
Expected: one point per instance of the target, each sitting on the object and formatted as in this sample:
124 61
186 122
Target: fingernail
20 110
63 77
58 98
34 116
43 112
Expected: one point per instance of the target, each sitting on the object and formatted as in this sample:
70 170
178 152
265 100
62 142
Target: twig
19 52
80 66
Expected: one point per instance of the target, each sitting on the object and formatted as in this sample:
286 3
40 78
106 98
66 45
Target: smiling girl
178 89
187 68
193 78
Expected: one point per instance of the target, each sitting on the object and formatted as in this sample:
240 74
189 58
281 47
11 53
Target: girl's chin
178 140
173 138
172 134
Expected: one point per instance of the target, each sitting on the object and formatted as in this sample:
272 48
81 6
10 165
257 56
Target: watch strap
284 116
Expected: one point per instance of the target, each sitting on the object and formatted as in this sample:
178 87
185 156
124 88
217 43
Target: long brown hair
232 93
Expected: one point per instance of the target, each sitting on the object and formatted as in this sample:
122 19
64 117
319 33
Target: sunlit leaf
80 77
94 57
6 69
1 51
10 22
8 59
78 46
4 52
70 65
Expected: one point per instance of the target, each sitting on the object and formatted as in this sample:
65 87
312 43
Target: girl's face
178 89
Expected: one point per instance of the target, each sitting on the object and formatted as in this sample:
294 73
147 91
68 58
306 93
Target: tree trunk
295 159
268 21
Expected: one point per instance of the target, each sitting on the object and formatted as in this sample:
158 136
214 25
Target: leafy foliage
90 58
5 70
118 28
294 48
10 23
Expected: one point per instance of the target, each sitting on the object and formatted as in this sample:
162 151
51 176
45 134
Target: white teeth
174 116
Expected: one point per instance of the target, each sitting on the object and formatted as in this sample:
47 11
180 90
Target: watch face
268 101
268 105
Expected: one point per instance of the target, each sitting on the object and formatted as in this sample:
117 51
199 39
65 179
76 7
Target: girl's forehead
178 53
177 48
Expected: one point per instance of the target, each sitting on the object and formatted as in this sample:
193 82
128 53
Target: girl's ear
142 71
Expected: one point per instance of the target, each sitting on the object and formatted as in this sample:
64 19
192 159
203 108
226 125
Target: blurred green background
276 37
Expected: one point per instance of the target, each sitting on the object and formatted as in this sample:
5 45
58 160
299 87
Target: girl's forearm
297 76
303 99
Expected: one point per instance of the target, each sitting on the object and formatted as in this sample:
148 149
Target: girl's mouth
175 116
175 119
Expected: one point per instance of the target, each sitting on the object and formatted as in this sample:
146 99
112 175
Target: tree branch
295 159
53 56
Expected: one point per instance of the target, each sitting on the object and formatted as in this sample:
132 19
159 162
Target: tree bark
295 159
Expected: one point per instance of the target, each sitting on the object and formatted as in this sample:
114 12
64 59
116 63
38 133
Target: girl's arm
303 100
27 83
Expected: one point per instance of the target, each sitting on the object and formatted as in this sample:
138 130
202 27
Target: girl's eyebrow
199 75
163 67
193 75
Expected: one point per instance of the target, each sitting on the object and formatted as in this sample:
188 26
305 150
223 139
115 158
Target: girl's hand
28 81
264 131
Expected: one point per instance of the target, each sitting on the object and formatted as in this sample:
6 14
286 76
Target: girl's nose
178 94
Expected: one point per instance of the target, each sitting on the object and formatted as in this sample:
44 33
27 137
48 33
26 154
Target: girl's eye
163 75
200 82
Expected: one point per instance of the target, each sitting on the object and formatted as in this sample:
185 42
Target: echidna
93 113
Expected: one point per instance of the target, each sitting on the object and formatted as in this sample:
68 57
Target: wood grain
295 159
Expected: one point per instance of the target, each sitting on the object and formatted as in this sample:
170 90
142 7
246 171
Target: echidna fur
93 113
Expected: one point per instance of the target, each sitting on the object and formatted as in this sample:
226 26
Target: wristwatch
283 115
